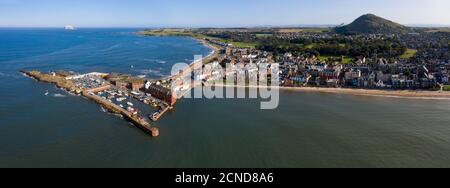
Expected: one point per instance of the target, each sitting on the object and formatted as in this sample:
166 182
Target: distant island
69 27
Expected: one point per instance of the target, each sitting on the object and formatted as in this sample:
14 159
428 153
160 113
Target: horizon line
212 27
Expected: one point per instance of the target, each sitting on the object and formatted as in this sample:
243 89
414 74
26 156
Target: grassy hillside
371 24
409 53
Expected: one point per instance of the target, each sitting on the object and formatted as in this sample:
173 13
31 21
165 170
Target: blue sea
107 50
307 130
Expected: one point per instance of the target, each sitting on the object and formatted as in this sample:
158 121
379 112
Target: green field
167 32
304 30
345 59
243 44
235 44
188 33
409 54
174 32
435 30
447 88
311 46
263 35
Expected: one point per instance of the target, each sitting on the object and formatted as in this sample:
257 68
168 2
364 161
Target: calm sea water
307 130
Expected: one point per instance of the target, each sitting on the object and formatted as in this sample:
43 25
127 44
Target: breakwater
68 85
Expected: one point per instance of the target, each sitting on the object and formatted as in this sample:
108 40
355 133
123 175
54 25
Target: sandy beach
213 54
412 94
375 92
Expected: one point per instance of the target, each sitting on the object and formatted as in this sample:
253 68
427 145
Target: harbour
93 86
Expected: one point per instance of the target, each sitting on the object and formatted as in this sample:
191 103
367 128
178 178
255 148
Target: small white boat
130 104
46 93
121 99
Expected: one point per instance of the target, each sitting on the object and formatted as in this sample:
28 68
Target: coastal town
249 87
386 57
426 70
412 64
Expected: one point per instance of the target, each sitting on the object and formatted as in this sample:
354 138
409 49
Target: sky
215 13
